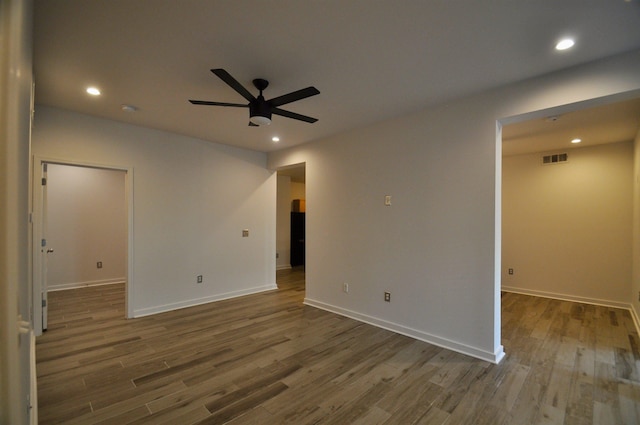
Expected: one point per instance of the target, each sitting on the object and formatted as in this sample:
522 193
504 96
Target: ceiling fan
260 110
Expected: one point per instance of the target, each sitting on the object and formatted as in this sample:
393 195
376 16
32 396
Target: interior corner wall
191 201
283 225
567 227
86 224
635 281
434 248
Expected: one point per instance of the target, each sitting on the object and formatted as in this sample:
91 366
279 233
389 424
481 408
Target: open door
54 193
40 294
45 250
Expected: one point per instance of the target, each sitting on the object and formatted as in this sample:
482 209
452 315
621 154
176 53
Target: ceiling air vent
556 158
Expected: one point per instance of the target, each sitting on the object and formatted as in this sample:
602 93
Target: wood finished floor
268 359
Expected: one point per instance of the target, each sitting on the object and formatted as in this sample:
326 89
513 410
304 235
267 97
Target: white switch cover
387 200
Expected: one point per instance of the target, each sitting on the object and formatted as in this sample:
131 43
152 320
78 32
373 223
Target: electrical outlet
387 297
199 278
99 264
245 233
510 271
345 288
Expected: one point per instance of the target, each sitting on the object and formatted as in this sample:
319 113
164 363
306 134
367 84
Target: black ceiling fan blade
233 83
206 102
293 115
293 96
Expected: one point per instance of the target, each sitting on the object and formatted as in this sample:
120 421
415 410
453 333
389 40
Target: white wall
283 238
15 95
437 247
191 201
567 227
87 223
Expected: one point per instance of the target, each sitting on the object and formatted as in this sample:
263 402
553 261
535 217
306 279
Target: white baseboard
578 299
204 300
75 285
413 333
567 297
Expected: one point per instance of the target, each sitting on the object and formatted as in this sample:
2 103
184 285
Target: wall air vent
556 158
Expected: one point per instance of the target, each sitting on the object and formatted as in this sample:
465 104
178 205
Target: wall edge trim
448 344
204 300
76 285
566 297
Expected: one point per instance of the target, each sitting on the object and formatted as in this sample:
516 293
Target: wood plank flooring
268 359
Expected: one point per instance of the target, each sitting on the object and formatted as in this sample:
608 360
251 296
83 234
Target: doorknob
49 251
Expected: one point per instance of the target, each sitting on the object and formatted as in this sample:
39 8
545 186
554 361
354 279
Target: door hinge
44 181
44 303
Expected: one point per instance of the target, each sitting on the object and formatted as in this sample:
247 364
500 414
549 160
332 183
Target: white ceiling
370 59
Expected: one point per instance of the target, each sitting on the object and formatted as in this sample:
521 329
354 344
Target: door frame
36 219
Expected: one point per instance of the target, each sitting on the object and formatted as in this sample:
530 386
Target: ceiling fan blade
233 83
293 115
293 96
206 102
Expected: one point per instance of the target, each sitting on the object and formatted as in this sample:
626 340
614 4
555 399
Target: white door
45 250
38 245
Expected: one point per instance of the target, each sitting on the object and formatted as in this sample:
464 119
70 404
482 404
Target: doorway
567 207
291 218
82 225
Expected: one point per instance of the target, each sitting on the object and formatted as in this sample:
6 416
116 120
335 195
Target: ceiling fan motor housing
260 111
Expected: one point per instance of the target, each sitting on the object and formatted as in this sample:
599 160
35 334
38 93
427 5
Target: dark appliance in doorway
297 239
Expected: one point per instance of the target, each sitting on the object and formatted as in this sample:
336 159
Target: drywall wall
283 225
17 367
436 248
191 201
567 227
87 224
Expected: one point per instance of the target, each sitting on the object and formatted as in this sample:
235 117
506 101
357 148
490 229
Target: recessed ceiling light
564 44
93 91
574 141
275 138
